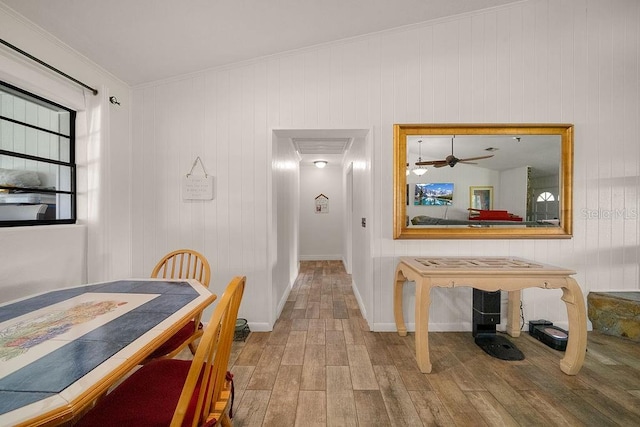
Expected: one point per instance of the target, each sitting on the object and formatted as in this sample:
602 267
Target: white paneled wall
358 165
321 234
571 61
36 259
284 219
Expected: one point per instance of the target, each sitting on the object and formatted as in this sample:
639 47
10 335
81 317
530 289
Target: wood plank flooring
321 366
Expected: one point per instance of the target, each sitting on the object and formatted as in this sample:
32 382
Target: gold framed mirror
483 181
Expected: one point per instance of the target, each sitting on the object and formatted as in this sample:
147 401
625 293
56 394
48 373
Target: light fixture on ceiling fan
419 171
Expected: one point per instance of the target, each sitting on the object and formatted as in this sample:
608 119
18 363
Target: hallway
321 366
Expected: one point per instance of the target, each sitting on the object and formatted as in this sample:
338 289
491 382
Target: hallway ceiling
317 147
321 144
142 41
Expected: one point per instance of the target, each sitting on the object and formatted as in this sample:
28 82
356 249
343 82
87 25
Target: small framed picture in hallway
322 204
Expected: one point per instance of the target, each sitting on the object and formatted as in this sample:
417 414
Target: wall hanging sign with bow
197 187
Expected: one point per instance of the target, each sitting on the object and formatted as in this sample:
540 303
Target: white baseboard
283 301
344 262
433 327
259 327
361 305
455 327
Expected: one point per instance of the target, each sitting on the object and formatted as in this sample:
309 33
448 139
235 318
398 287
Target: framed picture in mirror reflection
481 197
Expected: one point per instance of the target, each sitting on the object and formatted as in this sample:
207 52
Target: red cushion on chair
147 398
175 341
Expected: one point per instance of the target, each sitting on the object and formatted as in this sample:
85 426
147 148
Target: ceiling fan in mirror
451 160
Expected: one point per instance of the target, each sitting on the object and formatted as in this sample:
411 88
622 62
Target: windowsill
43 227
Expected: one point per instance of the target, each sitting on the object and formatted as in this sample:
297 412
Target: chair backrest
206 378
183 264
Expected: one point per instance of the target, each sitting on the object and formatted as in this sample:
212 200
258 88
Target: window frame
71 164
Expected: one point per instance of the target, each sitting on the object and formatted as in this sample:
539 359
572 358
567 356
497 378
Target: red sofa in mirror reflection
492 215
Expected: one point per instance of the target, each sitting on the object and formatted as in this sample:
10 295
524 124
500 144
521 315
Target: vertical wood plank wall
572 61
98 246
321 234
284 229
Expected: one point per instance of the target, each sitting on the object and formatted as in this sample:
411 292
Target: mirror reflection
483 181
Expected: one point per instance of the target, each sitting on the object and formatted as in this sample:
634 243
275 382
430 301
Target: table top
500 266
61 348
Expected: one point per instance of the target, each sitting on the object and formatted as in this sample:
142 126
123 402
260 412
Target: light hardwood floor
321 366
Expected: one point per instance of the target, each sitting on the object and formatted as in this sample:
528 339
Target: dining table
61 350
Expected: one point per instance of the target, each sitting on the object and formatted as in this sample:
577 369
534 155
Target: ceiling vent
321 145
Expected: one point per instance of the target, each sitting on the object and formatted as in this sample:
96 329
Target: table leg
397 302
513 313
423 301
577 342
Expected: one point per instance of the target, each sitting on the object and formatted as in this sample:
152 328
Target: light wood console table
490 274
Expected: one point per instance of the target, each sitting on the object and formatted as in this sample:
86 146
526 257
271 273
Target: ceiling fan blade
451 160
475 158
431 162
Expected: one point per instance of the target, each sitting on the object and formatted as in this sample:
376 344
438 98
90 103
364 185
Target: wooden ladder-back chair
171 392
182 264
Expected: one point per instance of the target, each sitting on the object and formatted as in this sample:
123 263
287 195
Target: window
546 197
37 160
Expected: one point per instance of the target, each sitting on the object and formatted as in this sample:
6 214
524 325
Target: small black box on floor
486 311
553 336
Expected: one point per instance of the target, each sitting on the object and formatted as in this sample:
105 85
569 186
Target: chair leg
193 347
226 421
